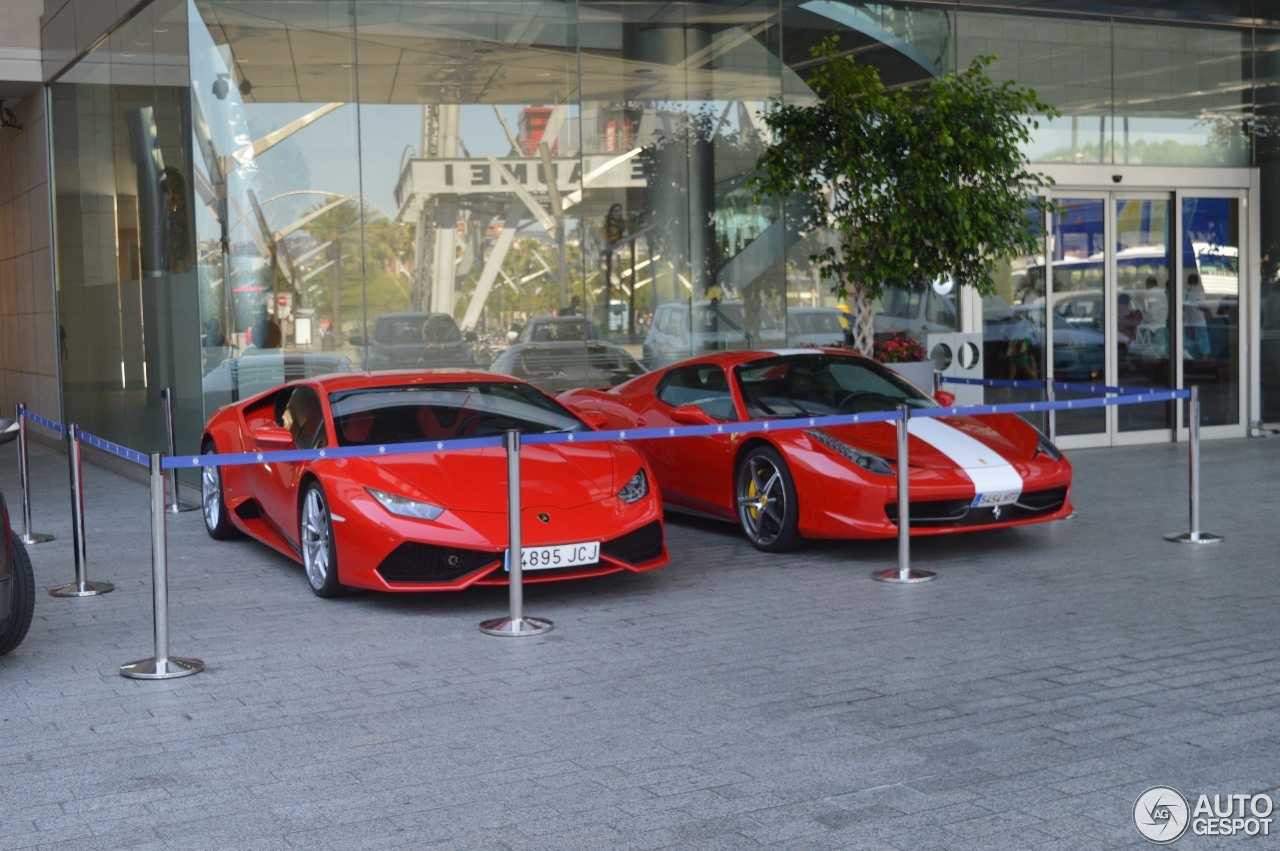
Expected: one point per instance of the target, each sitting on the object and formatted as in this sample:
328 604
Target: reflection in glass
1131 93
1077 295
1013 347
124 197
1211 306
1143 260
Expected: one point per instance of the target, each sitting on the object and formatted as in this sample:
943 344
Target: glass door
1211 305
1110 284
1144 290
1140 331
1080 286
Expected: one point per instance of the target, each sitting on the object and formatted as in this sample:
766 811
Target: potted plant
907 357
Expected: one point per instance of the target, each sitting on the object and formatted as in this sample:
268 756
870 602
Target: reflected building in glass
242 192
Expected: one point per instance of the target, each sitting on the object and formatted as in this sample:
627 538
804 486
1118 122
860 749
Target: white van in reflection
681 330
916 313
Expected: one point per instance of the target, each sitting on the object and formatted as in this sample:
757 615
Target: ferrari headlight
402 506
636 488
1046 447
867 461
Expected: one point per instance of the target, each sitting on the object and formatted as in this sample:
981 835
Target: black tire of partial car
215 513
22 598
315 529
762 481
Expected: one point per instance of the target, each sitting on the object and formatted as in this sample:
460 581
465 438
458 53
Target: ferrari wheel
767 506
213 506
319 551
22 598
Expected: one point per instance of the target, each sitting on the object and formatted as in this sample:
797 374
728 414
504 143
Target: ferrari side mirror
945 398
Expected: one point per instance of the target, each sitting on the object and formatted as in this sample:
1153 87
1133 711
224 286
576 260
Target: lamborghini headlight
403 506
1046 447
636 488
866 460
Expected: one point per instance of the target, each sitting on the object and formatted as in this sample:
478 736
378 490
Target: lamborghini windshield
822 385
409 414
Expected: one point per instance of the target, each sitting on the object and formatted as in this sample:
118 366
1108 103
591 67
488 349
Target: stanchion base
515 627
161 669
179 507
36 538
77 589
910 577
1194 538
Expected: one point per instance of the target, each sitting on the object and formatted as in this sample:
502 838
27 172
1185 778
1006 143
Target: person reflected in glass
1022 345
1195 324
571 309
1128 318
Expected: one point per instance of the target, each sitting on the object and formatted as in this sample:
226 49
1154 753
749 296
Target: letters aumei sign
471 176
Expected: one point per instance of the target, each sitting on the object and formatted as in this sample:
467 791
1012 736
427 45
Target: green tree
913 184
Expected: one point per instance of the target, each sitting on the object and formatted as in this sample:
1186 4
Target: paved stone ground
730 700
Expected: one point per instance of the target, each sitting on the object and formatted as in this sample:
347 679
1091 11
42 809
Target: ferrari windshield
407 414
821 385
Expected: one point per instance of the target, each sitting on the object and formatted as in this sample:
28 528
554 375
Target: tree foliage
914 184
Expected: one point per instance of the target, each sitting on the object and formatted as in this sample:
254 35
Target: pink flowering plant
898 348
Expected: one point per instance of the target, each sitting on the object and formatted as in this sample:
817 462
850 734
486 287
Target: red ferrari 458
434 520
966 473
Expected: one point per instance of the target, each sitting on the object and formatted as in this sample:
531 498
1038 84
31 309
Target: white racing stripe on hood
988 470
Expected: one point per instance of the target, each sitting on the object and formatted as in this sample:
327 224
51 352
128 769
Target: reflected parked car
414 341
818 326
17 581
915 313
681 329
563 366
260 369
1079 353
552 329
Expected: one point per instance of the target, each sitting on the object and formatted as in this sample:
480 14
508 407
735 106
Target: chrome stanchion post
162 666
176 504
24 475
82 587
1194 535
1049 429
515 624
904 574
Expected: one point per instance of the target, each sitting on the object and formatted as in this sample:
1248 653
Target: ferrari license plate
986 500
565 555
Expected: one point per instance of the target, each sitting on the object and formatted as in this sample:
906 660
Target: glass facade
251 191
1129 94
124 199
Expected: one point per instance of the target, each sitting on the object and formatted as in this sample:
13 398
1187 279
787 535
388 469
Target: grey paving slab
730 700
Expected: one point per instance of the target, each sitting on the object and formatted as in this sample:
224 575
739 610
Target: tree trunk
863 325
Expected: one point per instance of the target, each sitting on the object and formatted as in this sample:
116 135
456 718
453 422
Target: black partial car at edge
17 582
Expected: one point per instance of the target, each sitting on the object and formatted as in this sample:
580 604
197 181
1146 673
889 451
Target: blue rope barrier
748 427
371 451
1066 405
1070 386
41 421
992 382
1121 396
116 449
